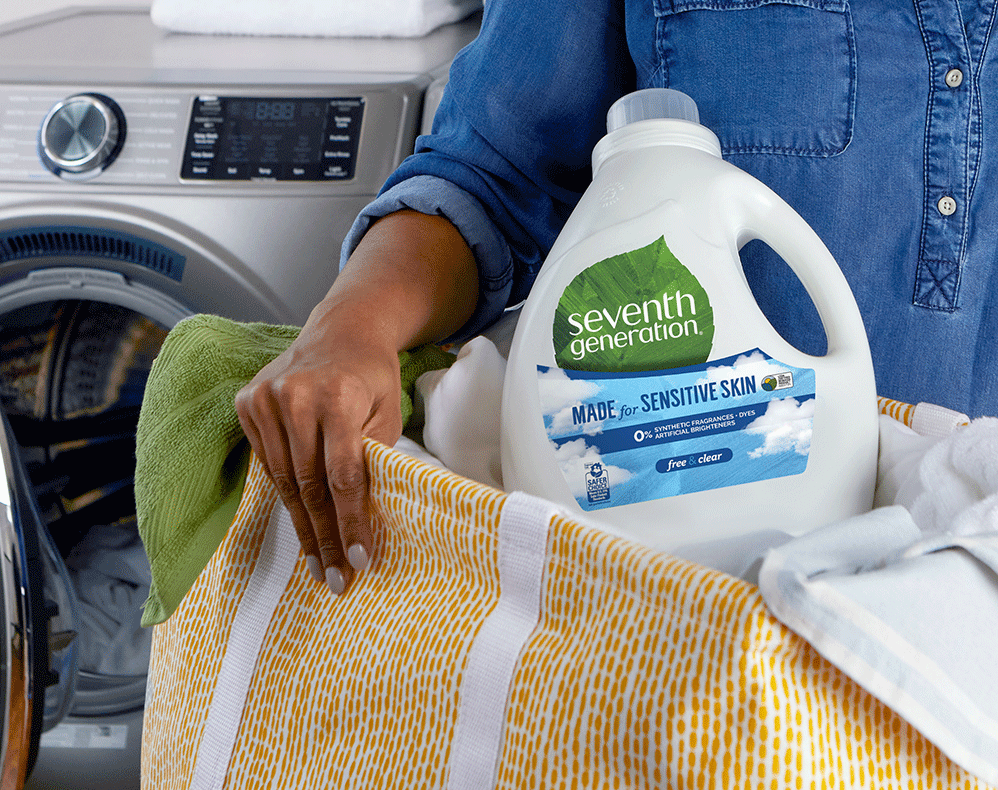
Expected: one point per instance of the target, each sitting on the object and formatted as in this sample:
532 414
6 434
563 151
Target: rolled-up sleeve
509 154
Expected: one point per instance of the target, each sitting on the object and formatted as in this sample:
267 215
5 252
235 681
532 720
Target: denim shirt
877 120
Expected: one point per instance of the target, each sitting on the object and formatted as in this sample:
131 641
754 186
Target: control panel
328 139
279 138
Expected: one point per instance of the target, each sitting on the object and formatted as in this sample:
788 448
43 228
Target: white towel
383 18
904 599
956 487
461 412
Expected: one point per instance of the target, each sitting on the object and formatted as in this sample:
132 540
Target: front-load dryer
146 176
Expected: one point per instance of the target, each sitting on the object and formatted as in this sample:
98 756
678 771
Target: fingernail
357 555
335 581
314 566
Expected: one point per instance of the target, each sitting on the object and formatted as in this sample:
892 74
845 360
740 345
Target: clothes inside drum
72 376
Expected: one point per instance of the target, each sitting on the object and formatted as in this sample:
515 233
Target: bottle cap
651 103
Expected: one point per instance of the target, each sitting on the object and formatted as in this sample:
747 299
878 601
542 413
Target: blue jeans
876 120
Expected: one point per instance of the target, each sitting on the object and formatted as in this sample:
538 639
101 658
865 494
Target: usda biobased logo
640 310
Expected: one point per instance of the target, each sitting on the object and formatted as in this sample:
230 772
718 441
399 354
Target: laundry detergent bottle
646 388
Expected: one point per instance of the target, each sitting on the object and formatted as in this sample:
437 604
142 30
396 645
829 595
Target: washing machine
146 176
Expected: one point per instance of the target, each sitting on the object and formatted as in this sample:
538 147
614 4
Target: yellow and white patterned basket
494 643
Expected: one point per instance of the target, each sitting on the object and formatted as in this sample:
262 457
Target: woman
872 119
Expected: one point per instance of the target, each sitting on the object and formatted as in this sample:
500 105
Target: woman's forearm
412 278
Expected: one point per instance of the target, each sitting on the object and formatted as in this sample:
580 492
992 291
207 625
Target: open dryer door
82 317
37 650
72 375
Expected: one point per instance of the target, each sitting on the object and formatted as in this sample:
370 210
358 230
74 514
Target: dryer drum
72 376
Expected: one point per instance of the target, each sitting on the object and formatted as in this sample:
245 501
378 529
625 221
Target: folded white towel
386 18
904 599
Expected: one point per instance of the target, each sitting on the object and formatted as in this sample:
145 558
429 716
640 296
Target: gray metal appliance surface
146 176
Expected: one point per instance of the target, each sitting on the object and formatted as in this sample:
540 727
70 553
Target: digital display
276 139
270 111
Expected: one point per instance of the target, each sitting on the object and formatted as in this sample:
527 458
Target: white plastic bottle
646 388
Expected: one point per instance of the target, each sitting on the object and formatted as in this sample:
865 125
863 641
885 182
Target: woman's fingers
260 412
306 423
325 556
346 472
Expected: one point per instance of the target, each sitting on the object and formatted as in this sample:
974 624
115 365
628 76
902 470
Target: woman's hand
410 281
305 414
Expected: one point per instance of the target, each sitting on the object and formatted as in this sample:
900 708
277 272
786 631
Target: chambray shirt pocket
769 77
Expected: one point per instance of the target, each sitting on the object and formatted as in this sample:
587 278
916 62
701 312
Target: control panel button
81 136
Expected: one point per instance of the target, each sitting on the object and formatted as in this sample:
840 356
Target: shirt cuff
437 196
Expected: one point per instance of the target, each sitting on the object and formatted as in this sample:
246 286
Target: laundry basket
496 642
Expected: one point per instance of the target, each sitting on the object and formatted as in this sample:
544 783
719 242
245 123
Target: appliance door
39 643
25 670
84 308
72 376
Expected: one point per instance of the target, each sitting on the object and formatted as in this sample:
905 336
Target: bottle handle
767 217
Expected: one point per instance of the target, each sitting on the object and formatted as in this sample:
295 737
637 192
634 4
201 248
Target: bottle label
640 310
621 438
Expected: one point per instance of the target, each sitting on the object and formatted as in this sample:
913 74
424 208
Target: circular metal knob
81 136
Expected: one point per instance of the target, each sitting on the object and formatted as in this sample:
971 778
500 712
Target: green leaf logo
640 310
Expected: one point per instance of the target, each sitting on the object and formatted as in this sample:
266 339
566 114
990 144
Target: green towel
191 455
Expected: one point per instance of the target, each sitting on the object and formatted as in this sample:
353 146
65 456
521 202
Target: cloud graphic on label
574 457
559 393
786 426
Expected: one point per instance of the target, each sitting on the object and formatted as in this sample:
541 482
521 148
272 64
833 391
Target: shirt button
946 206
954 78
